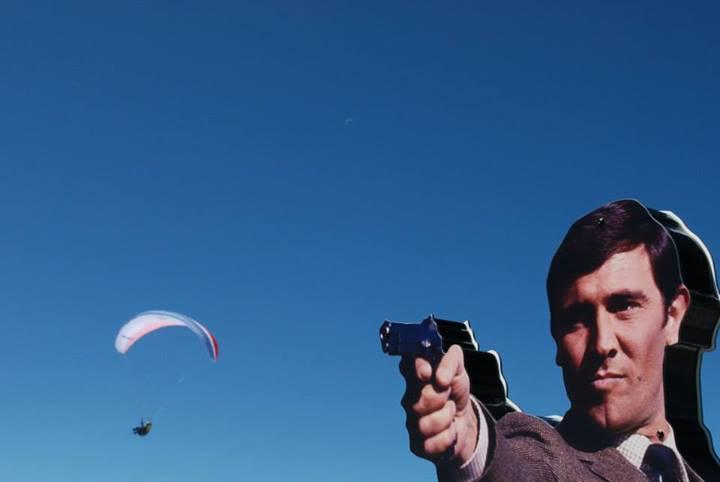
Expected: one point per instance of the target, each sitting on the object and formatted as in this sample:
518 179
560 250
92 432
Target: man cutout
616 301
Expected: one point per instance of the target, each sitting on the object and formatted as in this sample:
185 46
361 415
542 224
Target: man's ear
676 313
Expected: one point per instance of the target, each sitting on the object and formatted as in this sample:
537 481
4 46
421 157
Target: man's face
611 331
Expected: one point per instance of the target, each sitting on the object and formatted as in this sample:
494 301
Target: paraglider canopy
150 321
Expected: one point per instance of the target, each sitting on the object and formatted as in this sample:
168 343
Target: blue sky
292 176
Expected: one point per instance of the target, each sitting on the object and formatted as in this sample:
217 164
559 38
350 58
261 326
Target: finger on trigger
423 369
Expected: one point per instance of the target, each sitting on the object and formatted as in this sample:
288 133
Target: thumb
451 365
451 374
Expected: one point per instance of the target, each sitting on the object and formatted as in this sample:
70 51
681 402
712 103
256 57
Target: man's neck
656 431
582 432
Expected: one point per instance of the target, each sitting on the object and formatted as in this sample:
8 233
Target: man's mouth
606 380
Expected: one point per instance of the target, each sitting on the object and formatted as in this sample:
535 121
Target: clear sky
292 176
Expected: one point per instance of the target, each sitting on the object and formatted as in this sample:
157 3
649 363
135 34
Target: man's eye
622 306
570 321
565 326
573 319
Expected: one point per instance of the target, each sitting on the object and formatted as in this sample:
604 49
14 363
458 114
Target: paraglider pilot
143 429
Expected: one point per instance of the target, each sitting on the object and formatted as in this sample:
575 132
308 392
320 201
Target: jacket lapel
608 464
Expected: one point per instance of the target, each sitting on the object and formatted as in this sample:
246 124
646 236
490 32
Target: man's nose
605 339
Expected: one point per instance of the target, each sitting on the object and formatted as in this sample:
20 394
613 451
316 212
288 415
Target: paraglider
143 429
149 321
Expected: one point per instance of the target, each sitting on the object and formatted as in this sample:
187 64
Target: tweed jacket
525 448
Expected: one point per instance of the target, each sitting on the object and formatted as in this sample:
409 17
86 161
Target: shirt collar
633 447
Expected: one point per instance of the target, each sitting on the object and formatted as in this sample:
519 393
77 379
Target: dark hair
617 227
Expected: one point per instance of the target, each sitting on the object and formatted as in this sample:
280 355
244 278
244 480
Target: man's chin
608 419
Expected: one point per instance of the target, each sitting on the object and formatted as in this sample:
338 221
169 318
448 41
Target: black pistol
414 339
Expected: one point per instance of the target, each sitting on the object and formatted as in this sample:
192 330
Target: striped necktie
661 464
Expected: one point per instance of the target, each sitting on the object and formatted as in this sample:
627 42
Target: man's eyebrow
627 295
573 310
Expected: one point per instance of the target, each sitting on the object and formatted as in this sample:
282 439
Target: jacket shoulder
526 448
520 425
